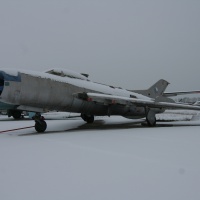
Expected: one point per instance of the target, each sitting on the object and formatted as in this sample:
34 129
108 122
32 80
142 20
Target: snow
66 72
81 83
114 158
178 115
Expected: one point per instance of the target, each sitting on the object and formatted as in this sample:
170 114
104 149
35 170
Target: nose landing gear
40 124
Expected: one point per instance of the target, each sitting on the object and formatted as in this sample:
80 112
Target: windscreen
1 83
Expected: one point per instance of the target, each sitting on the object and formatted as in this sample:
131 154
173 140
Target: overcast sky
127 43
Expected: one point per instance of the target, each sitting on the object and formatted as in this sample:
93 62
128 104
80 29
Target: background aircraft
65 90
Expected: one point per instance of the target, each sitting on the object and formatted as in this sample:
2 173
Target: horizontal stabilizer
171 94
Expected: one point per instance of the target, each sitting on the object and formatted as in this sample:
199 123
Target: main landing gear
151 118
88 118
40 124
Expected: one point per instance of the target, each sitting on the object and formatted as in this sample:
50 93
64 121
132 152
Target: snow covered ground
114 158
178 115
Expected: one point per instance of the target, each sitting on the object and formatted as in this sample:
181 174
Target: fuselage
30 90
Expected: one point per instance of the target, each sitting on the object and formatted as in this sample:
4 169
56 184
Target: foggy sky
127 43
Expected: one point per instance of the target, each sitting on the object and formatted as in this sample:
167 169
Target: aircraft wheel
16 114
40 126
151 118
88 118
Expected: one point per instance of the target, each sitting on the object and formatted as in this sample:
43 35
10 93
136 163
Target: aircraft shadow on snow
101 125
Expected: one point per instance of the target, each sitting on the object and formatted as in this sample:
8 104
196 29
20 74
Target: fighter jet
65 90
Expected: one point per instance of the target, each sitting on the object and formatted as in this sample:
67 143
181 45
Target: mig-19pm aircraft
65 90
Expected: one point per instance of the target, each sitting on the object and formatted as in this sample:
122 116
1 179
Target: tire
40 126
151 118
16 114
84 117
88 118
151 123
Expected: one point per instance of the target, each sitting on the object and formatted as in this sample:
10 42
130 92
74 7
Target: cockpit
6 76
1 83
68 73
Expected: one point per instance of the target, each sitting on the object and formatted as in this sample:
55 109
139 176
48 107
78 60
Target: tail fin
155 90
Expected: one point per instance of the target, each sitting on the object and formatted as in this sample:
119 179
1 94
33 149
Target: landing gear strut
16 114
88 118
40 124
151 118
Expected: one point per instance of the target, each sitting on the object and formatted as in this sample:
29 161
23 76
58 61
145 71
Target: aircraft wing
126 101
171 94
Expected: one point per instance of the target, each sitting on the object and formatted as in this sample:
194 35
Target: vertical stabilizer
155 90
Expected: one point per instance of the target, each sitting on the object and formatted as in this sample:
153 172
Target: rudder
155 90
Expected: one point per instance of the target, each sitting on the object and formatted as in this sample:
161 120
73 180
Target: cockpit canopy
68 73
8 75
